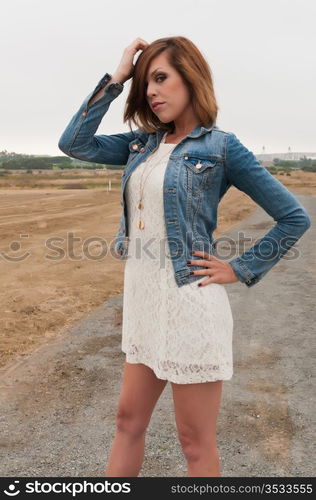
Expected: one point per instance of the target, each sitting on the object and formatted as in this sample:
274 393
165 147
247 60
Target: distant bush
309 168
21 163
272 170
302 163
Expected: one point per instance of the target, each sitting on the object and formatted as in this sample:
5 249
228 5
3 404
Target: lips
157 105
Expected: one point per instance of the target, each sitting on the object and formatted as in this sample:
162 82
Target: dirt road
58 403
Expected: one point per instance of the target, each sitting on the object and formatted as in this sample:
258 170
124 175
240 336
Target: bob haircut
186 58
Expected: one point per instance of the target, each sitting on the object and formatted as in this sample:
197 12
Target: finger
207 281
141 42
202 272
138 44
202 254
200 262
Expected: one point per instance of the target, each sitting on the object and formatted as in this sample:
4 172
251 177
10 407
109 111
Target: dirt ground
58 403
45 289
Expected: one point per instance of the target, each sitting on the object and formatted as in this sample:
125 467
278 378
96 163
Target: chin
165 119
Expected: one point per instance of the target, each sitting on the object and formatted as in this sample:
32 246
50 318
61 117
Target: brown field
44 291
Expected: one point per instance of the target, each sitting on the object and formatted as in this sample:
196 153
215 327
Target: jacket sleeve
78 139
245 172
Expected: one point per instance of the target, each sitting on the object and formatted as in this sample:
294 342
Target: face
165 84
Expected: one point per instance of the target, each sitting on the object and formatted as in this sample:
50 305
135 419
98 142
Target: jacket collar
155 137
198 131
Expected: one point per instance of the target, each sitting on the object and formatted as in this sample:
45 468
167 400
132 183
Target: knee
195 446
130 423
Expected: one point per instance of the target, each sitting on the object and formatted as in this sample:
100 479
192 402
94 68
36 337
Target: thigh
140 391
196 408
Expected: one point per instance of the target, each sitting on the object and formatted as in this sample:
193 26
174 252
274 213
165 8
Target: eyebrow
154 72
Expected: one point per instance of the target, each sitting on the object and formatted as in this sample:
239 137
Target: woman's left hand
217 270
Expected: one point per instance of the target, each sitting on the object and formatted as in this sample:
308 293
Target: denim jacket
200 170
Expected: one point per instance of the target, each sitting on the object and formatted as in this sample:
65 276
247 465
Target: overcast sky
261 52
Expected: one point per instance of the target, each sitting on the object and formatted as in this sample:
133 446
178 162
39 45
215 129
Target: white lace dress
184 334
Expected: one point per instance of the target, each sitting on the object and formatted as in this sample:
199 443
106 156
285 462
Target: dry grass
51 289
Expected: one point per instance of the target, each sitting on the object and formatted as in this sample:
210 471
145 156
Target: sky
261 53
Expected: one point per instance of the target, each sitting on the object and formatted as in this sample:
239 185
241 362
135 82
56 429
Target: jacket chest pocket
199 173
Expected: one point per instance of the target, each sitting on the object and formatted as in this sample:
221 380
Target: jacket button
84 113
186 157
135 146
142 149
198 165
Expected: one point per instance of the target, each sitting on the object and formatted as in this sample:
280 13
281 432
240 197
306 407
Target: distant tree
309 168
272 169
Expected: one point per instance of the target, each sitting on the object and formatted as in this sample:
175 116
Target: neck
178 134
183 126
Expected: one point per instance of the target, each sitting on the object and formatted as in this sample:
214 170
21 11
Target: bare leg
139 394
196 411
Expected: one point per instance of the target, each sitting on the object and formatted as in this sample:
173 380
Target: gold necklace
140 205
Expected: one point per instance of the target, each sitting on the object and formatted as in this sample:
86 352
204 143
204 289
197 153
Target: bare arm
125 68
79 140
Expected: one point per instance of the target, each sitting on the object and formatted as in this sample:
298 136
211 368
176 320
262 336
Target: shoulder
221 137
231 141
220 132
218 139
141 134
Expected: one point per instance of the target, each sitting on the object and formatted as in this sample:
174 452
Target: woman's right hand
125 68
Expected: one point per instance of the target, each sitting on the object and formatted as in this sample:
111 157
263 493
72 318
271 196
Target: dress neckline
167 143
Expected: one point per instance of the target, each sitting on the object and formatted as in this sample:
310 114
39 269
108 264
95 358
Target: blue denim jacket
200 170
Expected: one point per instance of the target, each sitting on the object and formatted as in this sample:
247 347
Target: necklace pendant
140 224
139 205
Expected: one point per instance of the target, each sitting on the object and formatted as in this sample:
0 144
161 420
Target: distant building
267 158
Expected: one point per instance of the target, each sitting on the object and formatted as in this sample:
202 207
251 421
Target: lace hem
180 373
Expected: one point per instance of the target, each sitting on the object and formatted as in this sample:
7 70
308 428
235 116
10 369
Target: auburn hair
187 59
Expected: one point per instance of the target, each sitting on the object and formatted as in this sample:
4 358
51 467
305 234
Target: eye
157 78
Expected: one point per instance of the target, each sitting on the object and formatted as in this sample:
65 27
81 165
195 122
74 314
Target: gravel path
58 404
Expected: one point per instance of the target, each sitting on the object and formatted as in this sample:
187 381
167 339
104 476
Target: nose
151 91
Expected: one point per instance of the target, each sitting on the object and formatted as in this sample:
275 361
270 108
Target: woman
177 321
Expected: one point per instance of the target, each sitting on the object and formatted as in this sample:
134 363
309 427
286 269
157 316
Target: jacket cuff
243 272
104 82
111 92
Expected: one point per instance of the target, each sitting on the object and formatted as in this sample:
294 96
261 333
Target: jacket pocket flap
198 165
